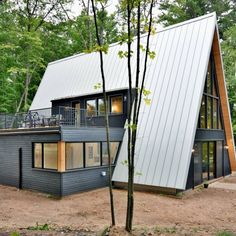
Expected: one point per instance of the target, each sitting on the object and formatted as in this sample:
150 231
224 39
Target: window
116 104
91 107
38 155
89 154
209 117
92 154
74 155
113 151
101 107
45 155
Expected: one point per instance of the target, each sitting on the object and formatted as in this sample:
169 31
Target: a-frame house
184 137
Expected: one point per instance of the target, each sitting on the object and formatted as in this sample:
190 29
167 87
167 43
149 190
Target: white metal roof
175 78
167 127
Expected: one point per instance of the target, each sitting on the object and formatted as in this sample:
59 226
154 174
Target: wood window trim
220 78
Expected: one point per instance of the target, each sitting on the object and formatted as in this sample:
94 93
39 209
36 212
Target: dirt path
200 212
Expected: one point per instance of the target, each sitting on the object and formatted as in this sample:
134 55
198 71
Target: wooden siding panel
224 100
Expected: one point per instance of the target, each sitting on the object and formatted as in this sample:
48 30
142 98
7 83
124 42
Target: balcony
59 117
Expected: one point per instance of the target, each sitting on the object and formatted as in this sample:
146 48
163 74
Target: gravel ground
198 212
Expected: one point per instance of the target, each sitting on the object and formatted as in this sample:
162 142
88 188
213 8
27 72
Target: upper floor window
209 117
96 106
91 107
116 104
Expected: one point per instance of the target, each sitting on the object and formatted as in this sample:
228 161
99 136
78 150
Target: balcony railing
51 117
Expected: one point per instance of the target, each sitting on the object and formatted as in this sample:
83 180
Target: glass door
205 166
208 160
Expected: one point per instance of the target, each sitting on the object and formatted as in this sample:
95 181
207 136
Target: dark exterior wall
83 180
222 157
90 134
115 120
40 180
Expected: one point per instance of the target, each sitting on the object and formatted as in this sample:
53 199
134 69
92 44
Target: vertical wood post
61 157
224 101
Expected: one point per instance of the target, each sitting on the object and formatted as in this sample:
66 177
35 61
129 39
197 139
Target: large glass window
116 104
209 117
203 113
45 155
215 112
209 112
92 154
74 155
50 155
101 107
208 160
38 162
91 107
113 151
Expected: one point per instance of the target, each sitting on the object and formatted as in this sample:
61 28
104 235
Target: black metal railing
50 117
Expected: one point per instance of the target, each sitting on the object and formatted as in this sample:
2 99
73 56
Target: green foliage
225 233
34 35
15 234
181 10
44 227
229 59
97 86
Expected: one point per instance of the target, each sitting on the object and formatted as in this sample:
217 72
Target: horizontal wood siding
44 181
83 180
91 134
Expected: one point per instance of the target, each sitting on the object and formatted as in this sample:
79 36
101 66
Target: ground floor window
89 154
74 155
208 160
45 155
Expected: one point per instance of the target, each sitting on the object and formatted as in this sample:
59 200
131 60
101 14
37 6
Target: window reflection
113 151
91 107
117 104
74 155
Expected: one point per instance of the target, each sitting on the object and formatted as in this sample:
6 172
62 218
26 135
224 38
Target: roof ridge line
212 14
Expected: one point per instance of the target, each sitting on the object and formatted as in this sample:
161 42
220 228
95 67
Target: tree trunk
106 118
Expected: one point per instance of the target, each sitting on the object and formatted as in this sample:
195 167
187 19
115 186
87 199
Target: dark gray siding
209 135
83 180
90 134
227 169
45 181
219 159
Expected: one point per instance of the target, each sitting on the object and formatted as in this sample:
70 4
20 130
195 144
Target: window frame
110 105
77 168
210 98
96 106
101 157
42 148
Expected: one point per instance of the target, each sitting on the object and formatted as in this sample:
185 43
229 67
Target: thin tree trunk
27 82
106 118
132 135
130 192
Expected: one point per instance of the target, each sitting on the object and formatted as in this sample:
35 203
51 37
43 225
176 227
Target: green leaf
147 101
97 86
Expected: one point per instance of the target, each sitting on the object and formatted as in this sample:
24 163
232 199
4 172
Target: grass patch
15 234
44 227
225 233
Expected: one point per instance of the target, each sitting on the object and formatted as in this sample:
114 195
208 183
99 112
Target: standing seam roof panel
167 128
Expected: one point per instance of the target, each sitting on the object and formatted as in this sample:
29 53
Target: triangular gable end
220 77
